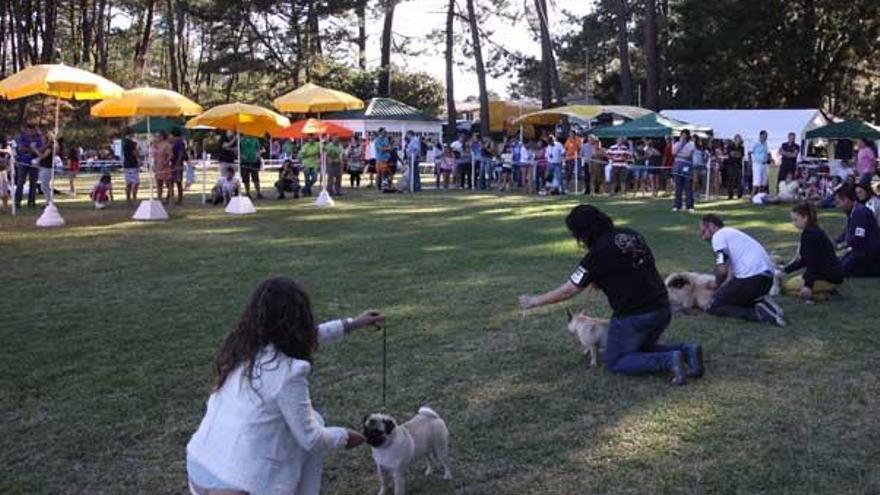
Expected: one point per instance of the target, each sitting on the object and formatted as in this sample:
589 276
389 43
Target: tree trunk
652 57
101 38
385 67
86 29
481 69
546 55
362 34
170 46
143 45
3 43
450 93
50 23
621 18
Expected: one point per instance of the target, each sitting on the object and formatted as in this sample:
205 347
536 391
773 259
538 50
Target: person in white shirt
759 156
260 434
743 275
555 157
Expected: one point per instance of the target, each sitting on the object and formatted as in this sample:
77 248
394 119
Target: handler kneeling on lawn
260 434
620 263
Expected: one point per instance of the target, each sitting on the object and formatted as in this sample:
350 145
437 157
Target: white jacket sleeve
304 423
330 332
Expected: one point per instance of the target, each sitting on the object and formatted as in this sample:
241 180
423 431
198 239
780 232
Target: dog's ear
366 417
569 314
389 426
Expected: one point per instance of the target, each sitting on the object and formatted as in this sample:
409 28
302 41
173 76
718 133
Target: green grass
109 329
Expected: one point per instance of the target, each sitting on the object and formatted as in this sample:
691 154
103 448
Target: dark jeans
733 181
684 183
632 343
464 174
860 265
30 174
354 179
287 185
311 176
737 297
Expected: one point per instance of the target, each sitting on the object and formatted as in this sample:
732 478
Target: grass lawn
110 326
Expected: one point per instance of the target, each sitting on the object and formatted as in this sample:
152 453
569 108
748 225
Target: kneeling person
227 187
620 263
744 274
288 180
823 273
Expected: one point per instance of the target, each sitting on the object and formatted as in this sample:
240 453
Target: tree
652 57
385 74
621 18
481 69
546 55
450 93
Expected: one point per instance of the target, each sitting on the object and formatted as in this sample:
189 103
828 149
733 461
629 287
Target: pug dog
591 333
396 447
691 290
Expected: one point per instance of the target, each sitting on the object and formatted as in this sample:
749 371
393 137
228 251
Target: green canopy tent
158 124
648 126
848 129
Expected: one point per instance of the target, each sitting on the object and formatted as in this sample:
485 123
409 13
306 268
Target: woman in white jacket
260 434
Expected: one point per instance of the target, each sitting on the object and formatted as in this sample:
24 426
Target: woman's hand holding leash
355 439
369 318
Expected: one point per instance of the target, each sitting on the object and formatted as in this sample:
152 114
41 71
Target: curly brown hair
279 312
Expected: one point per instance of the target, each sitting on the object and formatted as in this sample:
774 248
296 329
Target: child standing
102 192
447 165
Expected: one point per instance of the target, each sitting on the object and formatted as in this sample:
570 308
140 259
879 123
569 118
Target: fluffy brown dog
591 333
690 290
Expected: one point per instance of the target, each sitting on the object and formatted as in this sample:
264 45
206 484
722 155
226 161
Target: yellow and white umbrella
242 118
311 98
148 102
62 82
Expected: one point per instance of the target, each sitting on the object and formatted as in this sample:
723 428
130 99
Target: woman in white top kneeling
260 434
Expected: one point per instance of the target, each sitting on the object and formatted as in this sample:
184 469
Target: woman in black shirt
823 273
620 264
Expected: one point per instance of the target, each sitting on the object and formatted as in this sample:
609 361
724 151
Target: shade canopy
147 102
582 112
648 126
241 117
313 127
311 98
60 81
848 129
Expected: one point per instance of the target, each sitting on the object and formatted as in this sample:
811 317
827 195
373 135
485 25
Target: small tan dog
395 446
691 290
591 333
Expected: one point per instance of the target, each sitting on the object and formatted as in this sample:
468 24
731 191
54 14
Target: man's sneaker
773 304
693 354
677 367
676 209
768 314
691 210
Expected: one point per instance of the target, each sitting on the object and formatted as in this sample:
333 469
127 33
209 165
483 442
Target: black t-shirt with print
622 265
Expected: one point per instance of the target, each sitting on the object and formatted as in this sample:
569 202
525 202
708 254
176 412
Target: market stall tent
725 124
652 125
848 129
397 118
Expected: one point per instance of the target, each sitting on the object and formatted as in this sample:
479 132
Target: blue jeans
632 343
311 176
556 170
681 172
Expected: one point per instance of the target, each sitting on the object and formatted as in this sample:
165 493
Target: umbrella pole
14 183
150 161
51 192
204 175
323 163
238 150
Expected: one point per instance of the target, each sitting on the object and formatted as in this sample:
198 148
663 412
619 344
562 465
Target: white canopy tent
748 123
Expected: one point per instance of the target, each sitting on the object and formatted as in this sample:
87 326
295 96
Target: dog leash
384 366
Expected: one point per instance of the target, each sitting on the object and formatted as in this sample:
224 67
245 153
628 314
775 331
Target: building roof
383 109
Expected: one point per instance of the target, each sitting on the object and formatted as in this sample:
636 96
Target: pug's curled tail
427 411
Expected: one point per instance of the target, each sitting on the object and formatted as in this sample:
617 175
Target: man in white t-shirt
743 273
555 156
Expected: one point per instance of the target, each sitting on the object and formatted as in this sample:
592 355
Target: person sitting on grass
260 433
823 273
226 188
865 195
860 239
620 263
743 273
288 180
102 192
789 190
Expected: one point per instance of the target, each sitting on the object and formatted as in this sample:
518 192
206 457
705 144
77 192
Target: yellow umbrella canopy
311 98
240 117
60 81
148 102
